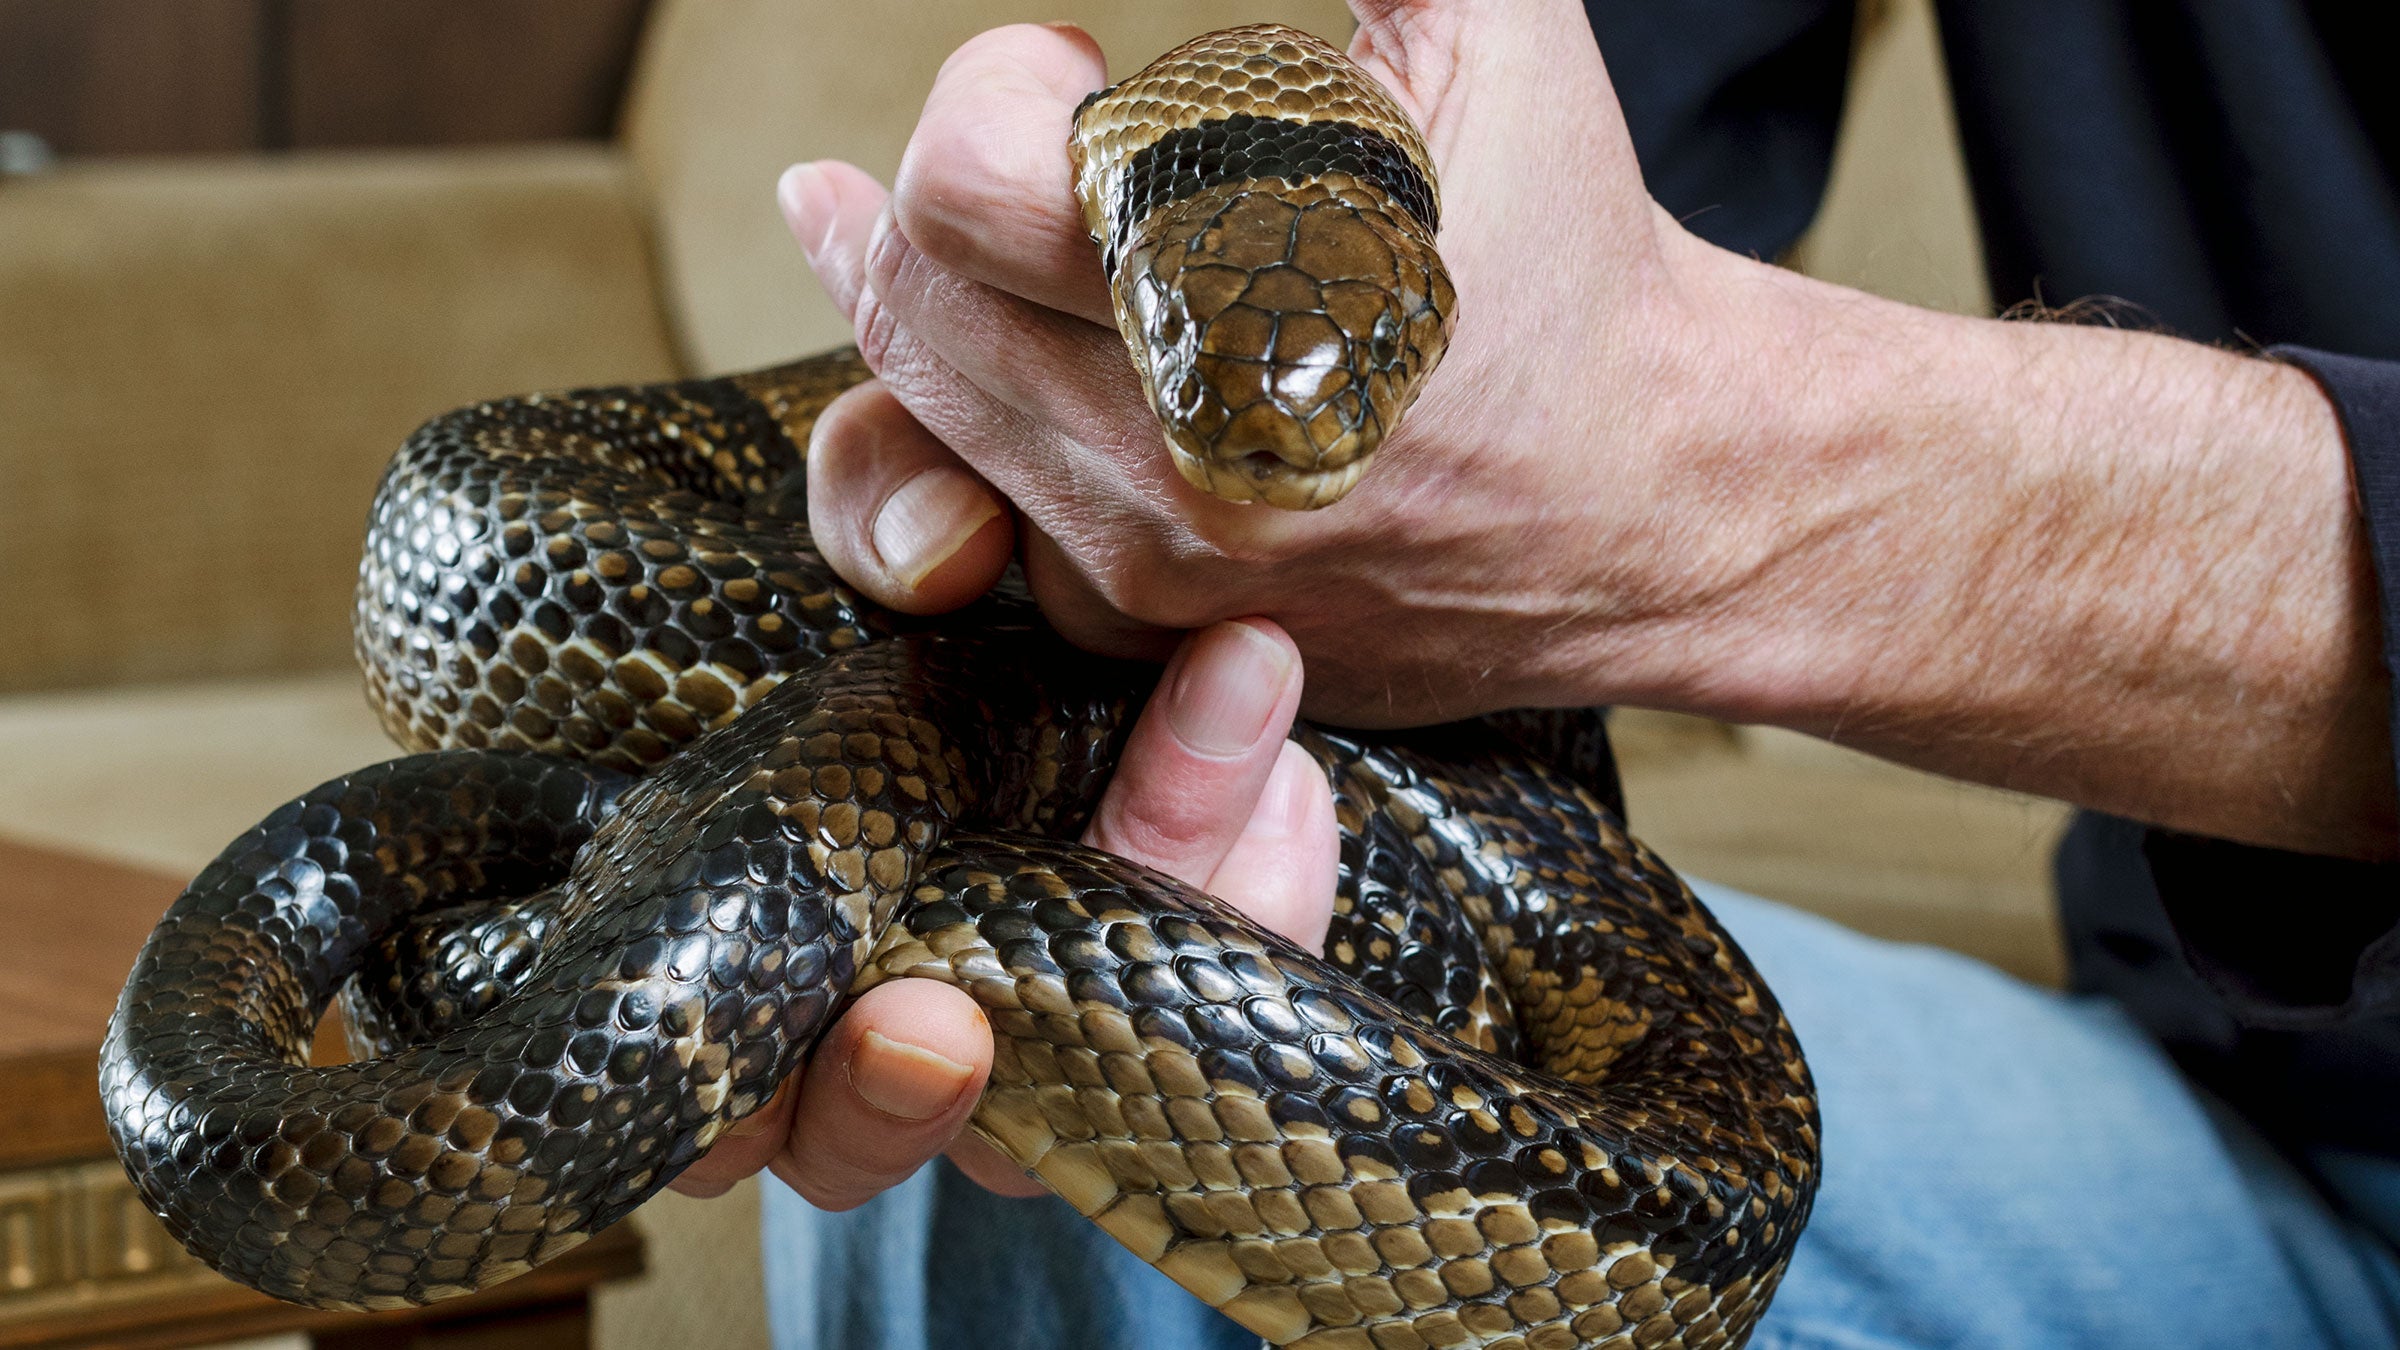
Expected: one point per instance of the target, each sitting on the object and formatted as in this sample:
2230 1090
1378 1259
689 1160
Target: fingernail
927 520
1226 687
906 1081
807 204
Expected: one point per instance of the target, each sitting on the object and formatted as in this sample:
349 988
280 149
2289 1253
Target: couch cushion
1891 851
165 777
729 92
205 364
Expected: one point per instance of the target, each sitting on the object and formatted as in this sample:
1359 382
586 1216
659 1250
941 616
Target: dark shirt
2232 169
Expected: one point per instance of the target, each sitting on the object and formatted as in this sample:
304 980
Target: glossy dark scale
575 984
1533 1097
604 573
1243 148
442 968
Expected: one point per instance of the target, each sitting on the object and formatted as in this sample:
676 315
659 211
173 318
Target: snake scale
681 794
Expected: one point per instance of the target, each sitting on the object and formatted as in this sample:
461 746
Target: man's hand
1209 791
1440 586
2110 567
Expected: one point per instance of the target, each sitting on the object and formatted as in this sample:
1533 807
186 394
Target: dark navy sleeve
2272 976
1733 105
2336 956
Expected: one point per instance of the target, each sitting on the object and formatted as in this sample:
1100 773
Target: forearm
2111 567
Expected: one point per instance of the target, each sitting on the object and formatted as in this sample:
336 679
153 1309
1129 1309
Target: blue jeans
2004 1167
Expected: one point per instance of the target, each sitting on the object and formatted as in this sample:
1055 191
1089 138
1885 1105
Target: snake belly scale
680 793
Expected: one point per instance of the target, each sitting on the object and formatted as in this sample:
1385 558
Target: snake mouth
1263 476
1293 434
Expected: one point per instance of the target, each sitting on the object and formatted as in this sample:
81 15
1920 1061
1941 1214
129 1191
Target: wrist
1855 495
1696 458
1761 432
2112 567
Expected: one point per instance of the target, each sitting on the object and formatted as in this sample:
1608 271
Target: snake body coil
1532 1096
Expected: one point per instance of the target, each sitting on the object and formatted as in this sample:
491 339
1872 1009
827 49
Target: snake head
1266 217
1281 333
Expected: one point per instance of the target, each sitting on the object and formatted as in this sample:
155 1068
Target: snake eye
1384 345
1171 324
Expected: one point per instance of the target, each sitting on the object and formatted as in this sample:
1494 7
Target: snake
676 794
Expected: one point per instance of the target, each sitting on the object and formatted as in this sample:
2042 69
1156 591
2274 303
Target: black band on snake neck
1244 148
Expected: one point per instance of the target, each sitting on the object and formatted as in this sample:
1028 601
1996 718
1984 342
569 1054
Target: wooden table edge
232 1313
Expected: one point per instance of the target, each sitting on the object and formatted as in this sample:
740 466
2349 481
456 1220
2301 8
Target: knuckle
878 332
1173 577
942 200
974 55
1134 585
890 255
1155 595
1120 589
981 182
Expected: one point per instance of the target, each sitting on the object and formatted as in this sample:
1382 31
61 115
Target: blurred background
247 245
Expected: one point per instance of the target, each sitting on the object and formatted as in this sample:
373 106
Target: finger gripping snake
681 794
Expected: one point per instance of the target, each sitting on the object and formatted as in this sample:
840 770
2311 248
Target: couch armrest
204 366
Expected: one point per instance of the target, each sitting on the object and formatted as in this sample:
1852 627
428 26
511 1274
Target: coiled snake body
697 793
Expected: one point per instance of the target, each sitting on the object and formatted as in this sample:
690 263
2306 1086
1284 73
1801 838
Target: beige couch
205 364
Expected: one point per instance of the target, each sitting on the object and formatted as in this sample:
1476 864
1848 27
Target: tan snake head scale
1280 333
